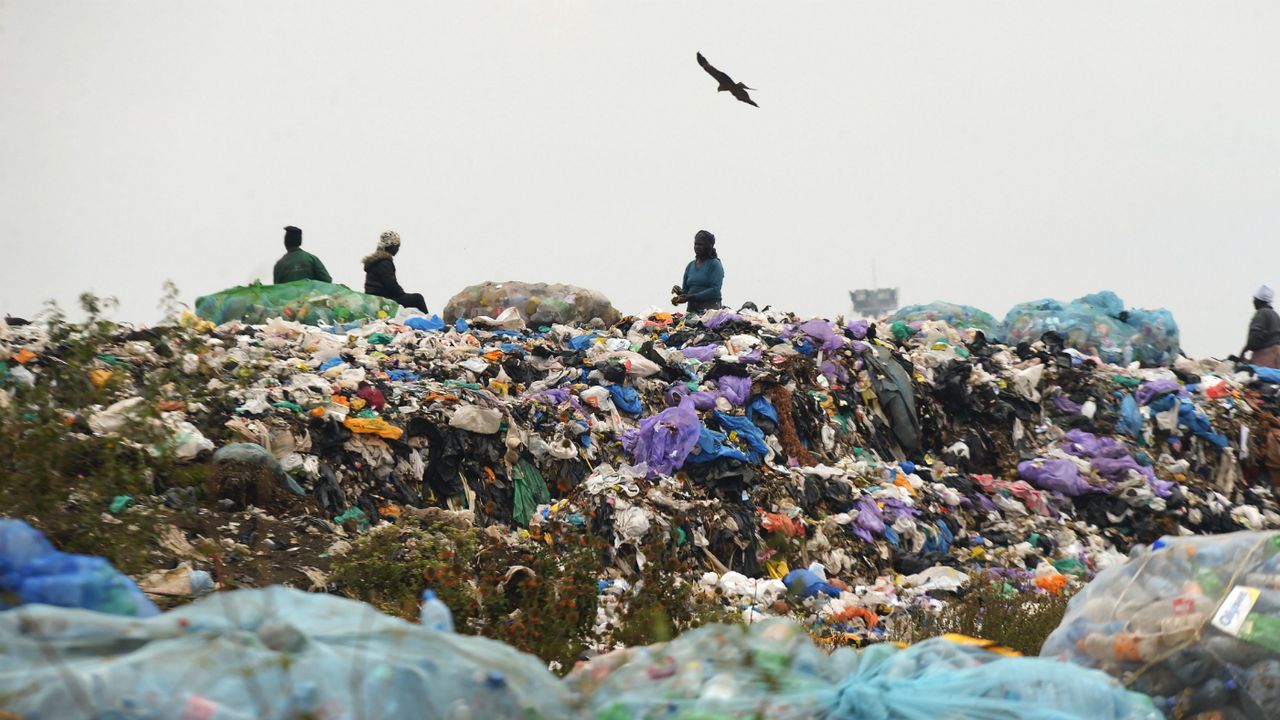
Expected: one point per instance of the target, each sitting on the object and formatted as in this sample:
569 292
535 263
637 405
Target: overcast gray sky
979 152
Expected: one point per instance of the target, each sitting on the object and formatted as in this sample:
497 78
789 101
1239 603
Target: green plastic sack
530 491
310 302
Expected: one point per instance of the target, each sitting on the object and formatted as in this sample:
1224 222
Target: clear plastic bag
537 303
774 670
272 654
309 302
1193 621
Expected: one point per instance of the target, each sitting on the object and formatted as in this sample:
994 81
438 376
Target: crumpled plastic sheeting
311 655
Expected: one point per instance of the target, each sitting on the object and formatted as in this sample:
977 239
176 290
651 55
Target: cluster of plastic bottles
1193 622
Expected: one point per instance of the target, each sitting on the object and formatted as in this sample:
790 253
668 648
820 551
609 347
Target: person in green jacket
298 264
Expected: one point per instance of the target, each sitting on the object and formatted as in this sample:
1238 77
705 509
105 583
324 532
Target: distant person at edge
1264 331
380 274
702 277
298 264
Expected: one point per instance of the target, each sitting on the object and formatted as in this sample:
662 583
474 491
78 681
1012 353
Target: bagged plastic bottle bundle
537 303
960 317
1192 621
774 670
309 302
271 654
1098 324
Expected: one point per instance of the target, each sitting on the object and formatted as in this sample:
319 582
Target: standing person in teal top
702 277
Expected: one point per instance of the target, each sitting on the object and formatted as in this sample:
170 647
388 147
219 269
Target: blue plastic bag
33 572
431 324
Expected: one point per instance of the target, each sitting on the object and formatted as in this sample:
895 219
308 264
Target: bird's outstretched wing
720 77
741 94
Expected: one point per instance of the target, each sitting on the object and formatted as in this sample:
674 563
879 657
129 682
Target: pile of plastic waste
1097 324
854 471
309 302
1192 621
962 317
535 303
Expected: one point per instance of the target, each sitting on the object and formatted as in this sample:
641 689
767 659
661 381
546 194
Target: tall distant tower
874 302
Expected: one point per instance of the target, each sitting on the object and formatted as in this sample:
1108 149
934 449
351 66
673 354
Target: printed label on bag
1231 616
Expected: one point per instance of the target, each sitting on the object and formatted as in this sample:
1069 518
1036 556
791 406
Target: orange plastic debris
98 376
775 522
24 356
870 618
1052 583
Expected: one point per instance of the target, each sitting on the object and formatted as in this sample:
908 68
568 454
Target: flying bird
739 90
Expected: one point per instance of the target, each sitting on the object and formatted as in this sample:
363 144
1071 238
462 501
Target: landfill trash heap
836 472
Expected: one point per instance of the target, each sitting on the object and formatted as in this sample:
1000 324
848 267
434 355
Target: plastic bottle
1213 695
434 614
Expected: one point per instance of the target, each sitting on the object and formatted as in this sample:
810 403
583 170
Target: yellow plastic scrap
373 426
99 377
777 568
987 645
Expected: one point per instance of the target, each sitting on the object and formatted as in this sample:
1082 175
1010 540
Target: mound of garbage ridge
844 474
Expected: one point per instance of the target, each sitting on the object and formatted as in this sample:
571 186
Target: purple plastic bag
1153 389
869 519
555 396
1088 445
665 440
719 318
834 371
821 331
1055 476
1081 443
735 389
1114 468
701 353
858 329
1067 405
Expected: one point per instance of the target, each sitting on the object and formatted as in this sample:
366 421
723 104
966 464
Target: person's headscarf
388 239
1264 294
711 241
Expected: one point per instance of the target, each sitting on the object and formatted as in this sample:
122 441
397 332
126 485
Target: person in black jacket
1264 331
380 274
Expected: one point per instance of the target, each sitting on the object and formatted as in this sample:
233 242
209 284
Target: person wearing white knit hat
380 273
1264 331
